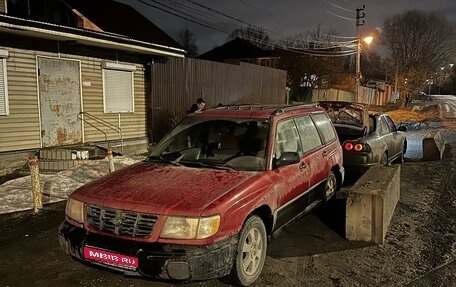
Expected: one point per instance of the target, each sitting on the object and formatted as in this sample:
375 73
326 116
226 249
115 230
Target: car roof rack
293 107
249 107
280 108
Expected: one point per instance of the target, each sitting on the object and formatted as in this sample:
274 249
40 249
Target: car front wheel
251 253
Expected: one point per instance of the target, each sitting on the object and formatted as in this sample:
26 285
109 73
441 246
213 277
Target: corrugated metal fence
177 83
367 95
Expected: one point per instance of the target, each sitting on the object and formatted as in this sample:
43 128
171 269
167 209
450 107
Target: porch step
52 160
52 166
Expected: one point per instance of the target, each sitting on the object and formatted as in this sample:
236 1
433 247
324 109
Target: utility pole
360 15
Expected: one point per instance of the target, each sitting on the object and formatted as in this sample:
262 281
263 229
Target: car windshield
237 144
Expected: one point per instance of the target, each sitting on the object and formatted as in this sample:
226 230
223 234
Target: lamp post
359 46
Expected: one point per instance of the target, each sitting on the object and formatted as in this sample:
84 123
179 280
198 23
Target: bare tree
303 56
188 42
420 43
255 35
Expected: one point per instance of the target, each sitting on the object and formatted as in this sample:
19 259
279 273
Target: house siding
3 6
133 125
20 130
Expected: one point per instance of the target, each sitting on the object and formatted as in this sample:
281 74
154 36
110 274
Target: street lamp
359 45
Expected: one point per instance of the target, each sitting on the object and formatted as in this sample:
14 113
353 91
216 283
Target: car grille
120 222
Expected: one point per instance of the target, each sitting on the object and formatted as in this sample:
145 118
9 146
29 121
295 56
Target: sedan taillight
356 146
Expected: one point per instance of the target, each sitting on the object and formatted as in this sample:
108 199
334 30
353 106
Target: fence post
36 186
111 160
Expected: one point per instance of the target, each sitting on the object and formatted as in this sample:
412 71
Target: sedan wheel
251 253
384 160
331 186
401 159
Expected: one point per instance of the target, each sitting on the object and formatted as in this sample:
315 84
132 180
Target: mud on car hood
161 189
347 113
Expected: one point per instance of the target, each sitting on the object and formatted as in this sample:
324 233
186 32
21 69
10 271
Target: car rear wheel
251 253
331 186
400 158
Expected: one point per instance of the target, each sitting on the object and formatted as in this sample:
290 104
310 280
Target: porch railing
96 122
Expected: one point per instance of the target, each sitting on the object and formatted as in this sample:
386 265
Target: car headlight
190 228
75 210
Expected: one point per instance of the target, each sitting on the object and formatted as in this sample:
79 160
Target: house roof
235 49
119 18
42 30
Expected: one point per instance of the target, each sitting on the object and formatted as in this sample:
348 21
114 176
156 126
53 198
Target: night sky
282 17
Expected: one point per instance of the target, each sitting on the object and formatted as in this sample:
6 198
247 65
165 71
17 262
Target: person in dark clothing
200 105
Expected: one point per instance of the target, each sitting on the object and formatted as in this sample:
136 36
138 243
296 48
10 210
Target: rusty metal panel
60 101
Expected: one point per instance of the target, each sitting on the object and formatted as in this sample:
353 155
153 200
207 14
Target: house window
4 106
118 90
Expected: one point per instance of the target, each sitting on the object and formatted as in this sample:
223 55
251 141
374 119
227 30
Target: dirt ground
420 247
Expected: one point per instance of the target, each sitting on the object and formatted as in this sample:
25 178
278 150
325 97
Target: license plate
110 258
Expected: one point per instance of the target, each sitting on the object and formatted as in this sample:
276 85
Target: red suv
210 195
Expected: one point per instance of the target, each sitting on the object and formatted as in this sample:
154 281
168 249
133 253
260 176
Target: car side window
287 138
384 128
310 139
391 125
323 123
372 126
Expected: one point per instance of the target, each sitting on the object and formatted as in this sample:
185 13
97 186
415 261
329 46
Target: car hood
161 189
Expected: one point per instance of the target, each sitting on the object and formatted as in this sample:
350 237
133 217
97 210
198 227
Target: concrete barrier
371 203
433 146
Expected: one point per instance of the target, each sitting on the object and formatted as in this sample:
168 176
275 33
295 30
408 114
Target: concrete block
433 146
371 203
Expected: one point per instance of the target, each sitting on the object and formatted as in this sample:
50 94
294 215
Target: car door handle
302 165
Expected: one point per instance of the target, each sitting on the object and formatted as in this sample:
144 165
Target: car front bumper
156 260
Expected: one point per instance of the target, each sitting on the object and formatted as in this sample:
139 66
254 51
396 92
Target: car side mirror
402 128
287 158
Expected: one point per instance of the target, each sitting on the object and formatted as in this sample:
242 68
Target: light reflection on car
231 143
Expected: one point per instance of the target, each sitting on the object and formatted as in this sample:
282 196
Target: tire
331 186
401 158
250 253
384 160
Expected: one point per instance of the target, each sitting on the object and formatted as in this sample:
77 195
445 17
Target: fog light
178 270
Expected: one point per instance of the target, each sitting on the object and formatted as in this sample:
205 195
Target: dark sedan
367 139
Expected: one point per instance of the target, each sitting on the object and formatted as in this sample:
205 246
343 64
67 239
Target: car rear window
325 127
310 139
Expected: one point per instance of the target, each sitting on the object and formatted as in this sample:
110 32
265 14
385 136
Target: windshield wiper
162 159
209 166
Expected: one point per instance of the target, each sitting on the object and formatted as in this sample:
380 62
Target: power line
218 12
191 9
340 16
337 6
185 18
313 47
254 7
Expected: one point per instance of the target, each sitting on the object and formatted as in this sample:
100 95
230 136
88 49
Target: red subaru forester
207 199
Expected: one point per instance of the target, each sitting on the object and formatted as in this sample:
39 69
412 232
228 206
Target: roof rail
293 107
249 107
